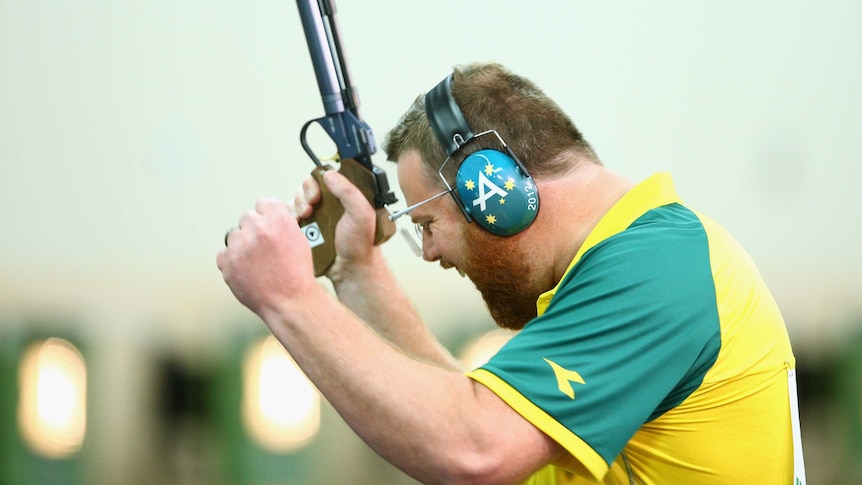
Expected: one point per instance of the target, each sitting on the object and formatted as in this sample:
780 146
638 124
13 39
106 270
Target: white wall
133 134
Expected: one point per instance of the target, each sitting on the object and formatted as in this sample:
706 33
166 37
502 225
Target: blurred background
133 134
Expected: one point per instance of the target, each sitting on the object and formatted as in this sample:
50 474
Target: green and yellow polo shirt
660 357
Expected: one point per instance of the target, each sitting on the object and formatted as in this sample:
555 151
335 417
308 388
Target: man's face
440 219
498 266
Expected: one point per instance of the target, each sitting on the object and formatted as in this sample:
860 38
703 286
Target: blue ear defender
492 187
495 193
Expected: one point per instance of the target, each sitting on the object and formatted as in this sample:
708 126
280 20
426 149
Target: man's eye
422 229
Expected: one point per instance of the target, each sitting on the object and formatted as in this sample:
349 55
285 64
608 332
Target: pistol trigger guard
304 143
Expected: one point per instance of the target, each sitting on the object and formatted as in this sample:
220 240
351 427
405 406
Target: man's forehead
415 177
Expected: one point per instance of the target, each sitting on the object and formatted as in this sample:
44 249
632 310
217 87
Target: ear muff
495 193
492 187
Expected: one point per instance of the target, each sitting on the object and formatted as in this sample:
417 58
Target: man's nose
429 250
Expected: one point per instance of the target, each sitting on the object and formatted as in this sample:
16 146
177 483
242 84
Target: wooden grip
319 228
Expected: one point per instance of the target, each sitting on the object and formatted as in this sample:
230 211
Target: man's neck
571 206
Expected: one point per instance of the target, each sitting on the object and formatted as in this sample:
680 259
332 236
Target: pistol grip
319 228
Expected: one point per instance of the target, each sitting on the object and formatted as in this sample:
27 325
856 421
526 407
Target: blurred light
52 407
280 406
480 350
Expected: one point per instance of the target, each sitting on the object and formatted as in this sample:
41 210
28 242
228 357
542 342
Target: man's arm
436 424
364 283
373 293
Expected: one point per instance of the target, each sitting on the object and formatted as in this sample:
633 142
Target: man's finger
310 190
266 205
227 234
350 196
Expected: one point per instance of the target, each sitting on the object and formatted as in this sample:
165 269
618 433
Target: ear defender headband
492 187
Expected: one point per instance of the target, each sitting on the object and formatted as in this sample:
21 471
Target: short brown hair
492 97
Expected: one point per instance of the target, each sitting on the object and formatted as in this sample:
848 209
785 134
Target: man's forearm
372 292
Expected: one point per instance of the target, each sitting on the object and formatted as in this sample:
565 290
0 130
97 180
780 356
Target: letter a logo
487 189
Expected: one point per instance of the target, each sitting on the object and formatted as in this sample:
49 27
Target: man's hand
354 233
267 260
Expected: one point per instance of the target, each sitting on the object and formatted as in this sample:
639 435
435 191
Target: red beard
501 271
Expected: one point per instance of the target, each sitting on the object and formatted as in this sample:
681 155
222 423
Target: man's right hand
354 233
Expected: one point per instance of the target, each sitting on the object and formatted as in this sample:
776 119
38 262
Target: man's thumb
348 194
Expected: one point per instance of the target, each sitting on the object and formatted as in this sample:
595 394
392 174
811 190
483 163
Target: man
650 350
